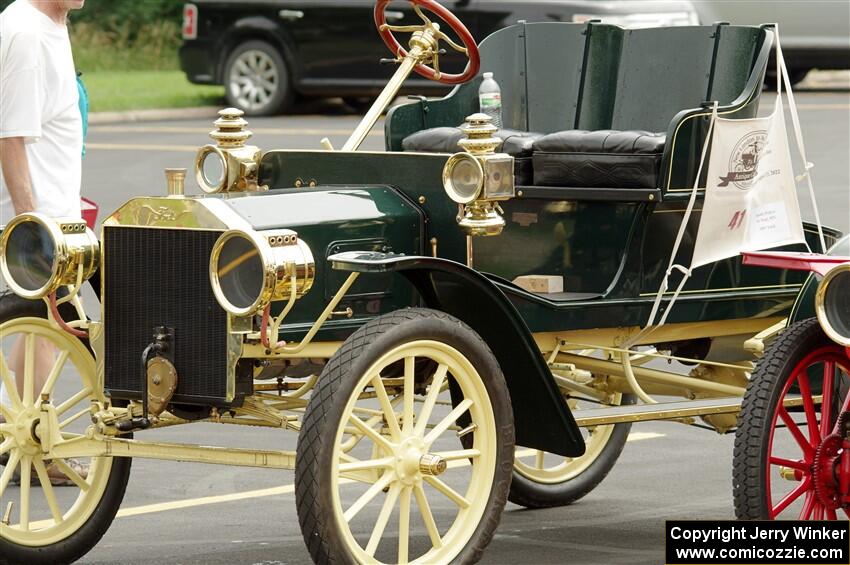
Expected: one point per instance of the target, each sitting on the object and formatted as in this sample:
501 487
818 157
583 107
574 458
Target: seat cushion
445 140
516 143
603 159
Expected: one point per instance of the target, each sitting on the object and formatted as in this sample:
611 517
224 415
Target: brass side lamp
230 165
479 178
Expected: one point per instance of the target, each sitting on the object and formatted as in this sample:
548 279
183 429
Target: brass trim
75 247
286 261
820 304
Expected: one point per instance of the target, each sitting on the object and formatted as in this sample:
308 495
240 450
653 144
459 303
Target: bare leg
45 355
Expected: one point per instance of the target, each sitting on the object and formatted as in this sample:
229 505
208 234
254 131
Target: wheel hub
825 471
412 461
23 431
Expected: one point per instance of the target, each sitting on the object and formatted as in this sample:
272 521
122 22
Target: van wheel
256 79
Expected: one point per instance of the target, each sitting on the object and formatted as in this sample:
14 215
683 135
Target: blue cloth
84 108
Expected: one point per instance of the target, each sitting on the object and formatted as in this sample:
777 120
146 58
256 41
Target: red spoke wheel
455 24
793 462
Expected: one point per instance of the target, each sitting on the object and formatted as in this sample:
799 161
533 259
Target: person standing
41 132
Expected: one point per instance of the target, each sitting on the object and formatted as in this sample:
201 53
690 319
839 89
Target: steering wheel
469 47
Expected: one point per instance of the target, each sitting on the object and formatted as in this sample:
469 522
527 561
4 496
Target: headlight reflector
249 270
40 254
463 178
832 304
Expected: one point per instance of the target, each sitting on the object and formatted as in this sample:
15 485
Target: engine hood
329 220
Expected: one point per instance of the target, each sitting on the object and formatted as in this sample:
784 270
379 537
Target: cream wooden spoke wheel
381 473
543 480
43 521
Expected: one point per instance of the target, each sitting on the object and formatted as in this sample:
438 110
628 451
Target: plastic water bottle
490 99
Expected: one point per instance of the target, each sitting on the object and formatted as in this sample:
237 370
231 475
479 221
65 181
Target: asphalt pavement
192 514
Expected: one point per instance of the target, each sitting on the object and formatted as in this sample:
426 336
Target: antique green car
448 324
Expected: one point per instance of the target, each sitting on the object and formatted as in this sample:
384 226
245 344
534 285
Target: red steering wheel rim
455 24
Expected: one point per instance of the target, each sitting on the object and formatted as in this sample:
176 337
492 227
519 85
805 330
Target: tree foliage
121 15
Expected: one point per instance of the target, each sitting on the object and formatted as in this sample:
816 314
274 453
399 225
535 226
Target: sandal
55 474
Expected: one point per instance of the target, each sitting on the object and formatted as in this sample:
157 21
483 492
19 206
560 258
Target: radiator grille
159 277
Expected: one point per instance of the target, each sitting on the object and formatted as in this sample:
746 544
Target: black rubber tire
83 540
282 97
530 494
315 442
359 104
796 76
750 457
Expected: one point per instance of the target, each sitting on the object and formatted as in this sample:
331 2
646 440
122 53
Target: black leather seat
516 143
603 159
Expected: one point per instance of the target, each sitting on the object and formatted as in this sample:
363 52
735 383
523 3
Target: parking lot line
141 147
205 130
259 493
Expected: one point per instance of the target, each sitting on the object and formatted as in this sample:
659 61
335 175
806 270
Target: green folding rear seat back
557 77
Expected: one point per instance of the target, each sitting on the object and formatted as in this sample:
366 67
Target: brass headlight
40 254
249 270
832 304
463 178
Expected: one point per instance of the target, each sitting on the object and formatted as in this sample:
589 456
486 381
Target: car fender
816 264
541 416
804 305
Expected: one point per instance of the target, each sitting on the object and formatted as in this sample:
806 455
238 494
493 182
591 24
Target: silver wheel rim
254 79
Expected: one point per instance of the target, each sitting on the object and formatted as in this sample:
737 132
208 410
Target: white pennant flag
750 195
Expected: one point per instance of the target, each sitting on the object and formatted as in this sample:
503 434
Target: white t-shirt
39 101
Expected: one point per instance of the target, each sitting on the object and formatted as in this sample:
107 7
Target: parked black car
266 52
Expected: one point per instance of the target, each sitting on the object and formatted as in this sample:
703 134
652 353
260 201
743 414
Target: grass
115 91
104 53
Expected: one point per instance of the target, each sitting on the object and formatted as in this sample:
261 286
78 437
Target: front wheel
54 511
791 454
410 420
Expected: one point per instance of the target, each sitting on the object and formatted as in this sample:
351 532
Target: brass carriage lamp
229 165
479 178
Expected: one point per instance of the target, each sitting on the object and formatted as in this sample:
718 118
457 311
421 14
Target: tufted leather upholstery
604 159
518 144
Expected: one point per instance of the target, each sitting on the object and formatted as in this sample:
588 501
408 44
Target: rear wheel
791 461
367 454
49 524
257 80
544 480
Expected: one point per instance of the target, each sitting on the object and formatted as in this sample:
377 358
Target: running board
667 410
